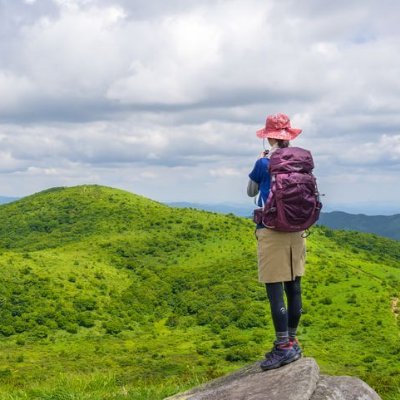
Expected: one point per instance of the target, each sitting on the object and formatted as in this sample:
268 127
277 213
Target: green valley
109 295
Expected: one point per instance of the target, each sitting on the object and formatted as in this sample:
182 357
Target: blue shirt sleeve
260 175
258 172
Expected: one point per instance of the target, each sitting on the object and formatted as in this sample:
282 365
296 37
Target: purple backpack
293 203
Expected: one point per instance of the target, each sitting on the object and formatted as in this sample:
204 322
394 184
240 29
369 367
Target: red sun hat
278 127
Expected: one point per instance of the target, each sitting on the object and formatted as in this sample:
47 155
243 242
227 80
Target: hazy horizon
357 208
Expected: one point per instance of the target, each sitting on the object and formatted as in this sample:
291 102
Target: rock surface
343 387
297 381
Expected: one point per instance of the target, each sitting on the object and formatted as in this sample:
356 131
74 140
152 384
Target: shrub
5 373
84 304
51 324
7 330
71 328
352 299
249 320
20 326
20 358
172 321
113 327
369 359
239 354
234 340
85 320
332 324
203 318
258 336
221 321
326 300
203 349
40 333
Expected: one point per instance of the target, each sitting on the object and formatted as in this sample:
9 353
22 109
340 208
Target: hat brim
282 134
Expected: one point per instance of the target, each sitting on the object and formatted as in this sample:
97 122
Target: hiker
281 255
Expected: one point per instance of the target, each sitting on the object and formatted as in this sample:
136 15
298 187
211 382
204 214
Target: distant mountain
383 225
5 199
237 209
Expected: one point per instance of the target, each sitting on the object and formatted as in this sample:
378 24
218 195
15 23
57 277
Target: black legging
284 319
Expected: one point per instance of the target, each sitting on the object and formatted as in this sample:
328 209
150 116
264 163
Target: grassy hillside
108 295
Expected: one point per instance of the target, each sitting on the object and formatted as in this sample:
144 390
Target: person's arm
252 188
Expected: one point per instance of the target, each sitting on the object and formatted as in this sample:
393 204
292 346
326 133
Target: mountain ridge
383 225
380 224
7 199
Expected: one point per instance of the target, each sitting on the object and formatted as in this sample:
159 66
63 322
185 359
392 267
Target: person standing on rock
281 255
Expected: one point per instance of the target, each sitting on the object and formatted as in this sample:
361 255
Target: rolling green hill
108 295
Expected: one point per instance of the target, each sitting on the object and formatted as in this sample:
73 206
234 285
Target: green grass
108 295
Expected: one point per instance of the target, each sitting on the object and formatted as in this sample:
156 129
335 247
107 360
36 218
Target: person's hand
262 154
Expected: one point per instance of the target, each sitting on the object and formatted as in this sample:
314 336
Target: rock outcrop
300 380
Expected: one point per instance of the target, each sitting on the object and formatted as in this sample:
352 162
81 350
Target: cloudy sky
163 97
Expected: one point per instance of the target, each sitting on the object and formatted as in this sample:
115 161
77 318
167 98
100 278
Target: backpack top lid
291 159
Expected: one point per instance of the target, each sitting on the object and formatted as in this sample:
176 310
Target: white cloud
8 164
14 89
168 93
73 55
225 172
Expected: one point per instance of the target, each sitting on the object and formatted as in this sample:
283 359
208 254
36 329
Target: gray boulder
299 380
343 388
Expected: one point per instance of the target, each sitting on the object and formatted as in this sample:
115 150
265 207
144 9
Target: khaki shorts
281 255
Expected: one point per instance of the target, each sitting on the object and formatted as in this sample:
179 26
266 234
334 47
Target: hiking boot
293 342
279 356
296 345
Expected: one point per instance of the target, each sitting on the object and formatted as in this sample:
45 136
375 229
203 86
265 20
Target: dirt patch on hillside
395 307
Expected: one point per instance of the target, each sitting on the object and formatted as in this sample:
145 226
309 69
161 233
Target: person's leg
283 352
293 294
278 312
